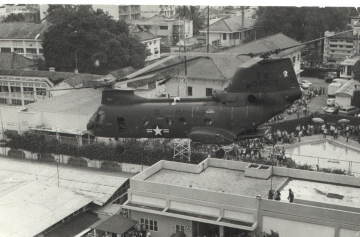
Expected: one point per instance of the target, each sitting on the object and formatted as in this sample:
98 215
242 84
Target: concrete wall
166 225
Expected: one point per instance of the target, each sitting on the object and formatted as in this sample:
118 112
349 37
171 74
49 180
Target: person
291 195
277 196
325 132
347 136
270 194
335 133
148 234
300 134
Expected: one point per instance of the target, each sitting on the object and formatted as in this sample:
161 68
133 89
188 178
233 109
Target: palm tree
193 13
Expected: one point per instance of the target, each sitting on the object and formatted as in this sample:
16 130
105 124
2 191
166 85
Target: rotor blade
75 88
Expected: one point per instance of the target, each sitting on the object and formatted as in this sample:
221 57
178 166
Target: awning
114 224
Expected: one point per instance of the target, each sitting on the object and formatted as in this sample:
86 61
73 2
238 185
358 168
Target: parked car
349 110
330 76
332 110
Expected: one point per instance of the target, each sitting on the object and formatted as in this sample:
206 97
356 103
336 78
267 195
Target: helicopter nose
293 95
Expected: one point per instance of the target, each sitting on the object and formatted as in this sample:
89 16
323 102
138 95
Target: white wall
347 233
155 44
23 44
296 228
343 100
198 86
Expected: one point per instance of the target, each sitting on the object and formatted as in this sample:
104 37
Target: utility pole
208 26
242 25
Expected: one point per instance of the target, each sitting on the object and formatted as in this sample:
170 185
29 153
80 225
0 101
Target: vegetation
356 70
301 23
135 151
15 18
193 13
90 41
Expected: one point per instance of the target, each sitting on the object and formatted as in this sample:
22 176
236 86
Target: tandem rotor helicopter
260 89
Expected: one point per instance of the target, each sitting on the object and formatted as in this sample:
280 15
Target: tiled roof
231 24
22 30
15 61
114 224
120 73
55 77
348 88
272 42
143 35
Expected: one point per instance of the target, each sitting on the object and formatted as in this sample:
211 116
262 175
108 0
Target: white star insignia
157 131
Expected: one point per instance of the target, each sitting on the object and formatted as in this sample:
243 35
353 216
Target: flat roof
33 208
323 192
219 180
99 188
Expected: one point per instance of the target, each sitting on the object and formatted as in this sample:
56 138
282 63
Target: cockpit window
94 117
101 118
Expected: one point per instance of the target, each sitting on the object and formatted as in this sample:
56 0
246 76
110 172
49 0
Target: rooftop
23 30
348 88
111 224
96 187
15 61
35 207
55 77
231 24
144 36
218 180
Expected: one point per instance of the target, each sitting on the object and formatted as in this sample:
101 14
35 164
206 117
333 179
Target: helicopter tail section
264 75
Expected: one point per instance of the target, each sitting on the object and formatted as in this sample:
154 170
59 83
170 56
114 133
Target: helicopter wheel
220 153
120 149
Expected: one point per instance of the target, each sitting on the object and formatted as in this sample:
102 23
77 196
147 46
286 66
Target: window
156 50
341 46
298 57
179 228
113 235
333 45
149 224
16 102
349 41
41 50
164 27
190 91
40 91
349 47
15 89
19 50
182 121
333 41
207 121
4 89
31 50
224 36
26 102
121 124
169 121
209 91
3 101
6 50
294 59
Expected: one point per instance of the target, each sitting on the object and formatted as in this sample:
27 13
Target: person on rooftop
291 195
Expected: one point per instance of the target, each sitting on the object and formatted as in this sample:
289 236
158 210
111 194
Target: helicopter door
121 124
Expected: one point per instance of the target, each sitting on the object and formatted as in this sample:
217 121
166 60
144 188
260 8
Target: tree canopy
14 17
301 23
193 13
90 40
356 70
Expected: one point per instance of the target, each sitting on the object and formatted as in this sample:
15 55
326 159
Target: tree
15 18
90 41
356 70
301 23
193 13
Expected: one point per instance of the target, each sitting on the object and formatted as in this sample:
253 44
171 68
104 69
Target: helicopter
260 89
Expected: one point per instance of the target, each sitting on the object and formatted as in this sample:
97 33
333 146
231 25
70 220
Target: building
151 41
226 32
189 45
348 64
22 38
129 13
213 74
22 87
344 95
114 226
170 30
148 11
16 61
341 46
224 198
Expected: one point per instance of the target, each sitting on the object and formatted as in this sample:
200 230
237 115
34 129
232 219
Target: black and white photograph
202 119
